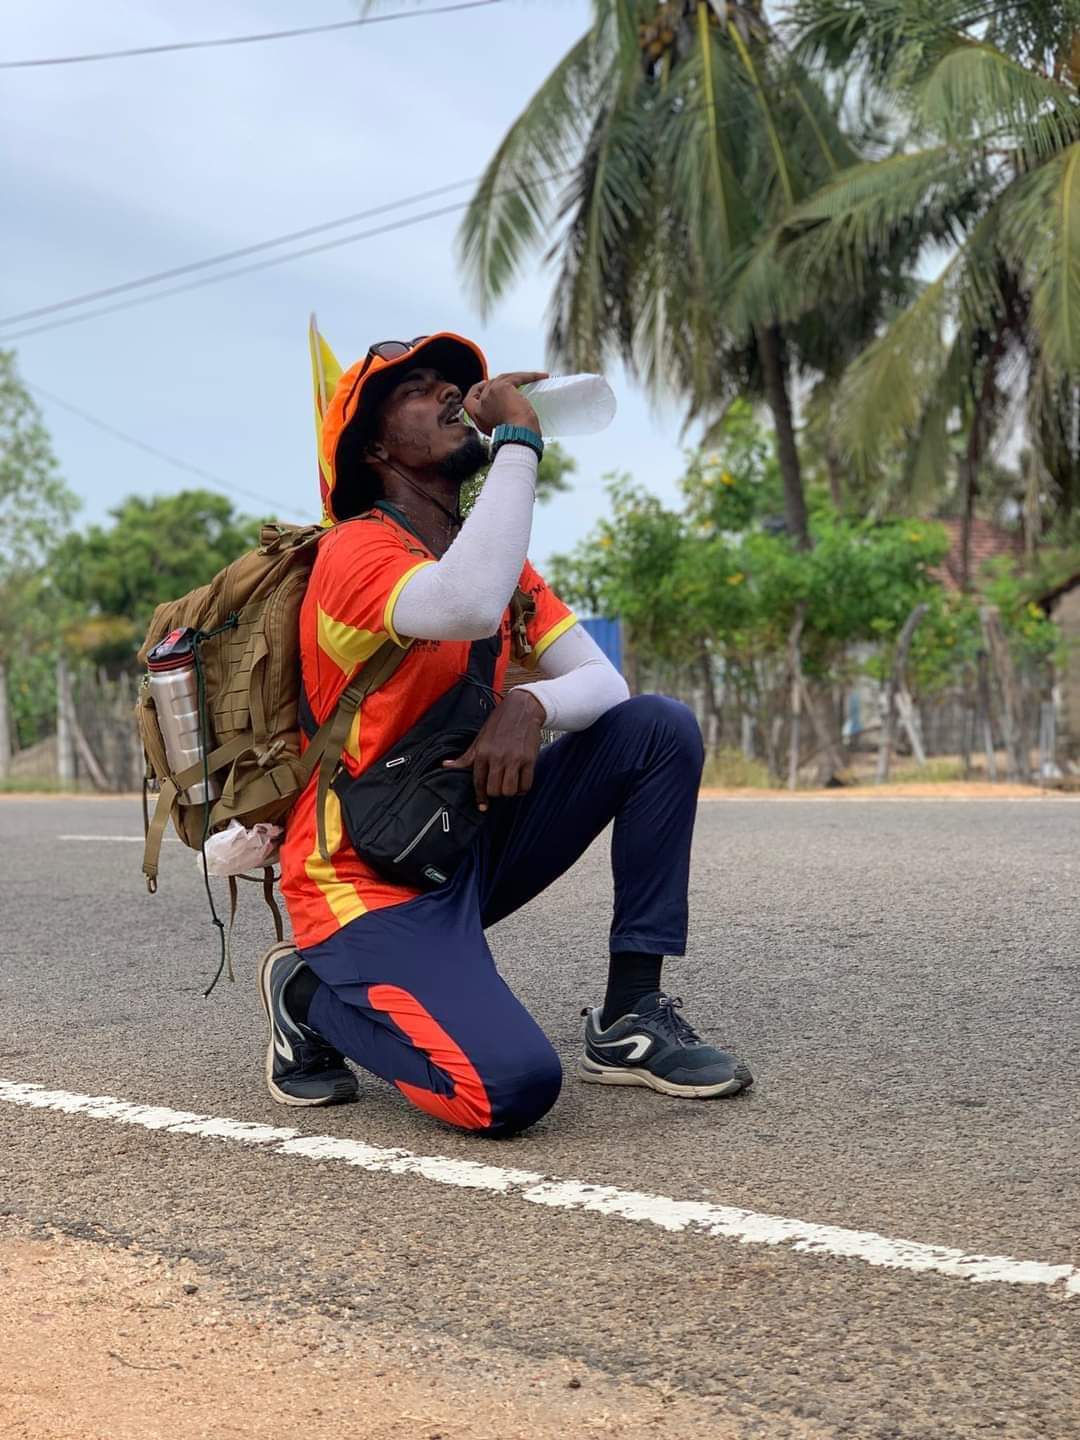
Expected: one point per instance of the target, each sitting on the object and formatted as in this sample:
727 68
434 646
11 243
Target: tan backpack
247 624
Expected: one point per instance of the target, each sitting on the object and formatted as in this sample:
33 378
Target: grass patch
934 772
731 770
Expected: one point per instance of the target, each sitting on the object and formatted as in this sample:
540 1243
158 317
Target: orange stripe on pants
469 1106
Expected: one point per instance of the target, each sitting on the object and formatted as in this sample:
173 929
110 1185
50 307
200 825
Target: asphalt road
901 976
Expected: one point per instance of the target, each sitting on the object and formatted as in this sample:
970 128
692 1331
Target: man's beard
468 460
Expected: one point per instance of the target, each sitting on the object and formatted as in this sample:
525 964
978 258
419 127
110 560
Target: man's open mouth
454 416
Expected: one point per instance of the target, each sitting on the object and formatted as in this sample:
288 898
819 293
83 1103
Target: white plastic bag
236 848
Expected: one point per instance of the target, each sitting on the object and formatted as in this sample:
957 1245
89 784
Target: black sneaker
301 1069
655 1046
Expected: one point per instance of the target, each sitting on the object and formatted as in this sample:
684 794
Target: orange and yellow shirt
360 570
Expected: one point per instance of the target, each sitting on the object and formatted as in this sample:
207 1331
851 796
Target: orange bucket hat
364 385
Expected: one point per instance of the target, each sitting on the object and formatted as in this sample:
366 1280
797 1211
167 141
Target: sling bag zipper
417 838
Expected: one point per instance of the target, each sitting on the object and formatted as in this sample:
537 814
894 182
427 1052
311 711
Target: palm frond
976 89
886 391
827 148
1041 234
840 233
921 480
707 139
892 45
507 216
717 167
912 366
604 215
768 118
760 289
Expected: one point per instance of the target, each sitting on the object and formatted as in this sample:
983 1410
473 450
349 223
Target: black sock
630 976
299 993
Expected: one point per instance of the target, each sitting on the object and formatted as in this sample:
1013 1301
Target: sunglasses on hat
383 350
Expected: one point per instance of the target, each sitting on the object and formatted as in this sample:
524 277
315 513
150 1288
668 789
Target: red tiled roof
988 542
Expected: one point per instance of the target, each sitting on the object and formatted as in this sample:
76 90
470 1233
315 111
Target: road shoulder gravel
107 1342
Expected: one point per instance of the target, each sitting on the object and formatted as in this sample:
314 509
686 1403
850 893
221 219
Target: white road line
838 800
720 1221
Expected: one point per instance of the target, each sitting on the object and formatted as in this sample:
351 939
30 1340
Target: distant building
988 542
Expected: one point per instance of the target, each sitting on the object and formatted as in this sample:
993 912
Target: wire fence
975 731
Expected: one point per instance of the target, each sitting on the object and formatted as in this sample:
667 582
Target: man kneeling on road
398 978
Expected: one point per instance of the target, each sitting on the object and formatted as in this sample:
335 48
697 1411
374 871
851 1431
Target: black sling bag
410 819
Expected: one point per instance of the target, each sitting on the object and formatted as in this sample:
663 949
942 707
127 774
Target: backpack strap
522 610
155 830
329 740
268 896
171 787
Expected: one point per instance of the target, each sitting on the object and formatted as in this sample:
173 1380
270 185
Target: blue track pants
411 992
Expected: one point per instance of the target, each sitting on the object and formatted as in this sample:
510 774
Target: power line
247 39
266 264
75 301
85 299
207 475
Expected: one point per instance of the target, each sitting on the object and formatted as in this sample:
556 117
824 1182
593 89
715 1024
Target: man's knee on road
495 1095
522 1094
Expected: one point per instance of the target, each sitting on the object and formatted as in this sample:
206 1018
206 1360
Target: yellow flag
325 374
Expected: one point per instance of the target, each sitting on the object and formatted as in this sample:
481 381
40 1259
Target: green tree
714 586
551 477
988 168
683 130
35 506
553 472
156 549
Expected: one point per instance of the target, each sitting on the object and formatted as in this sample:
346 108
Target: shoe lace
674 1023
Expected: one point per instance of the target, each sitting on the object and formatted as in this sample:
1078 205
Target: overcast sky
115 169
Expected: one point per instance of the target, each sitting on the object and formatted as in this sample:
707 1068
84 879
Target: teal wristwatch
516 435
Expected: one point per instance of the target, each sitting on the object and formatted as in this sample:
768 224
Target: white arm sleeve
464 595
582 682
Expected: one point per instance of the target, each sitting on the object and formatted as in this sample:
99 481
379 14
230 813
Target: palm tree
989 169
680 132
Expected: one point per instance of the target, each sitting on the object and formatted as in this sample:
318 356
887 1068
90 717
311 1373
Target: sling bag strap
329 741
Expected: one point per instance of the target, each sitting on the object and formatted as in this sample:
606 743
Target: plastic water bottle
174 686
571 404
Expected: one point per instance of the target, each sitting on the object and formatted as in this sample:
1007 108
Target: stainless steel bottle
174 686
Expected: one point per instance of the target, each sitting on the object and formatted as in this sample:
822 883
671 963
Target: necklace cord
453 516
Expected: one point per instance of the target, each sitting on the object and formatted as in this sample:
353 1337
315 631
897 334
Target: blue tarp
608 635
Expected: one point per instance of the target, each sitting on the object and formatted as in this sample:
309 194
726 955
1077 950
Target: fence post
967 732
1018 768
65 739
795 667
6 746
1048 769
896 684
985 720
